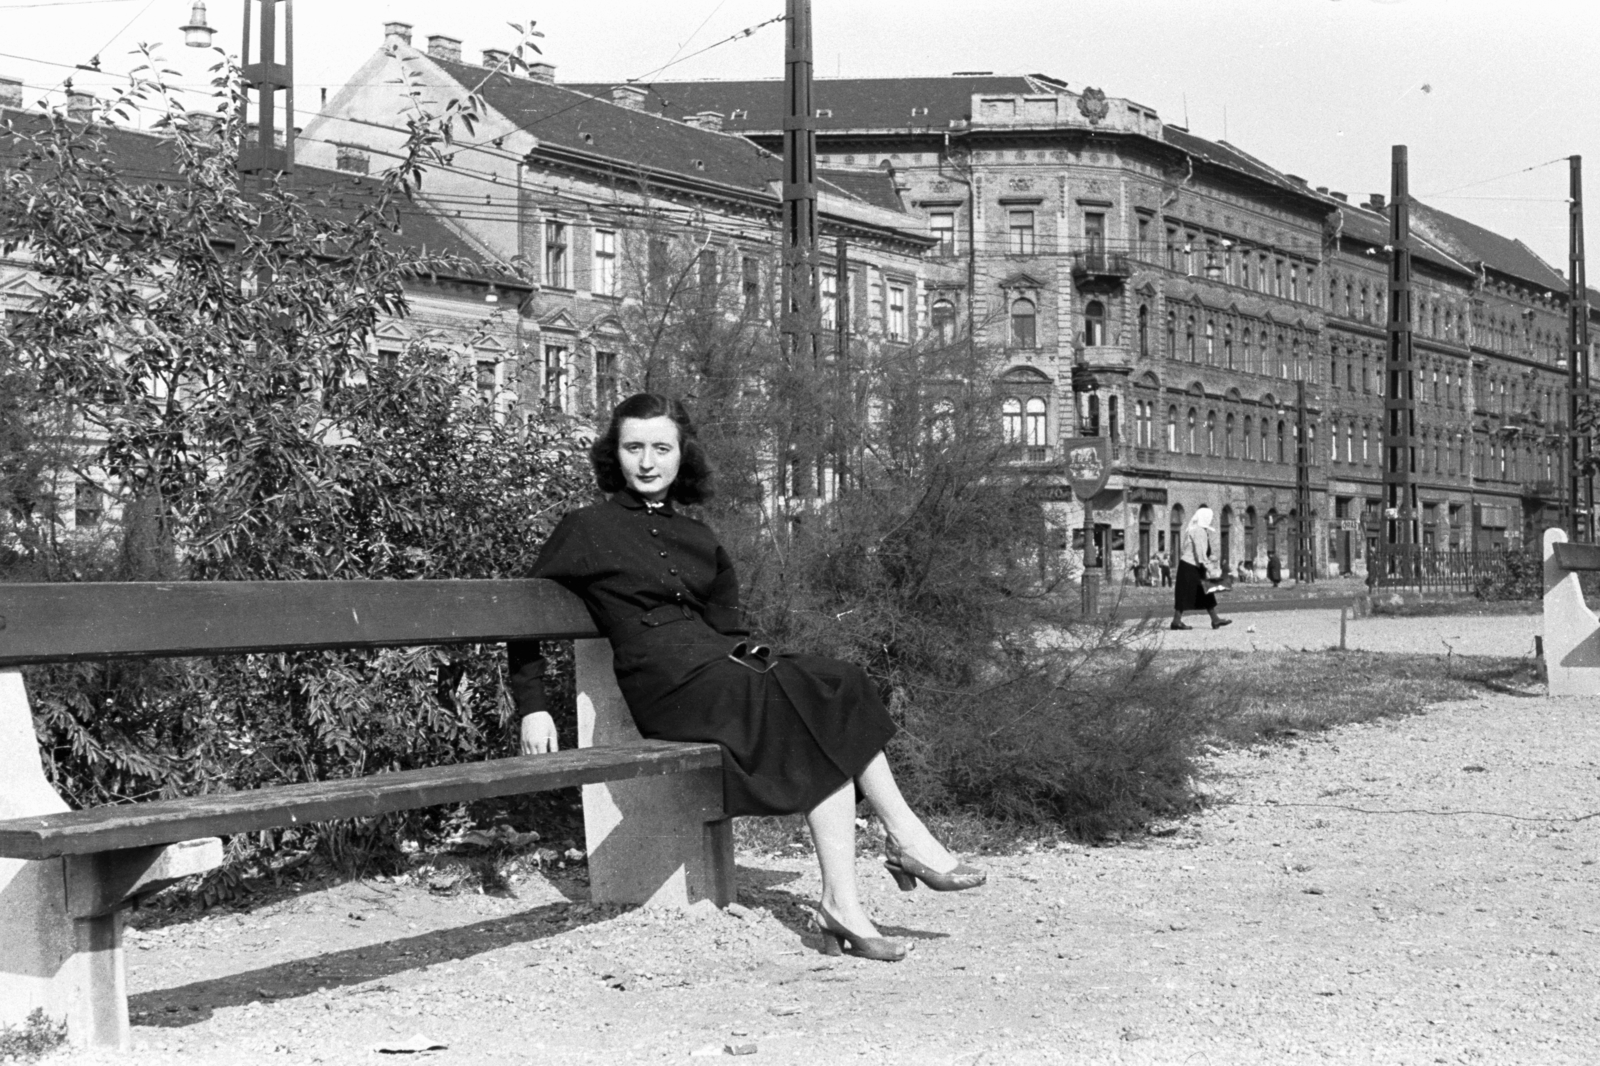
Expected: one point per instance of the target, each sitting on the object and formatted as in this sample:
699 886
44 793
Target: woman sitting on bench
798 732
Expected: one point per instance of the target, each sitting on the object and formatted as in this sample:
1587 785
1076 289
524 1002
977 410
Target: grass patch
1462 606
1288 693
33 1039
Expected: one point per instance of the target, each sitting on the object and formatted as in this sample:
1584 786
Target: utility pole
800 321
1304 548
845 408
1580 519
1399 399
266 77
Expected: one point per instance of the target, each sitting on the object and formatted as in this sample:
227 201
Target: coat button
663 555
673 571
655 532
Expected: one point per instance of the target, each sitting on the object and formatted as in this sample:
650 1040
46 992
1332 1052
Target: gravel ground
1510 634
1408 891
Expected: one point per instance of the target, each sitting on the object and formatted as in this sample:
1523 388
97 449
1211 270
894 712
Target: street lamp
197 34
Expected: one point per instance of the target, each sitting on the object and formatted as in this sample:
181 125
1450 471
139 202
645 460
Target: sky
1490 96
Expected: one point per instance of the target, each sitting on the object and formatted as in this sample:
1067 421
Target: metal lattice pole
267 77
1580 487
1399 399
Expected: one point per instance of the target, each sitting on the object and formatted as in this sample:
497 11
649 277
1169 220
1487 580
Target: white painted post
1571 630
662 841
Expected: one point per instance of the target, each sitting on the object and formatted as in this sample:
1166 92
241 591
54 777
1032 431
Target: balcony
1112 357
1540 490
1102 266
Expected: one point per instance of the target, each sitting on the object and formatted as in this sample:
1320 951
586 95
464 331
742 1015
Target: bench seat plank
219 814
67 622
1571 557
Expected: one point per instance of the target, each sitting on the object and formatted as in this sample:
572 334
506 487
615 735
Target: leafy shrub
1521 578
35 1038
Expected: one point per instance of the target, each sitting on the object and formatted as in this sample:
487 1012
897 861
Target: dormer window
738 115
824 112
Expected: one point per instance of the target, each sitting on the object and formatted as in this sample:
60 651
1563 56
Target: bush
1522 578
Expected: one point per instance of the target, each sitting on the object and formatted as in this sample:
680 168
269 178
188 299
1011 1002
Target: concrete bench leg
654 840
61 919
1571 630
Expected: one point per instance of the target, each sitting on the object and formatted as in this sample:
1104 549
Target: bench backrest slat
1578 556
42 623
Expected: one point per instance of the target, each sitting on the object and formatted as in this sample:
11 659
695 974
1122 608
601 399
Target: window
942 224
605 263
1266 455
1113 423
1244 270
1037 437
1172 429
897 328
1172 335
1172 248
555 253
1094 231
556 376
1211 433
875 301
1192 440
1277 277
1227 345
88 504
750 268
1244 341
1022 323
605 381
1094 324
1211 343
488 380
1227 440
706 275
1144 237
1189 340
1011 421
1021 226
1282 452
1144 330
1294 281
1249 437
943 317
830 299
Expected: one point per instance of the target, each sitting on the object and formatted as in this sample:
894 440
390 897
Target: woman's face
649 452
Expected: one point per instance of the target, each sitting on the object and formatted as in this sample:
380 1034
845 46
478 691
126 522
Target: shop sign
1088 464
1146 494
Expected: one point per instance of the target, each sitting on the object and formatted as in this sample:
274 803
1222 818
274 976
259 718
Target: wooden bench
1571 630
654 825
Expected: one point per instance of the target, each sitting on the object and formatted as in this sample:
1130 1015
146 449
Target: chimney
1342 197
707 120
629 96
80 106
351 159
1298 180
10 91
1376 201
494 58
1323 189
442 47
545 72
397 33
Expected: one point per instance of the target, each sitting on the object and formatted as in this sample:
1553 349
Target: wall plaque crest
1092 104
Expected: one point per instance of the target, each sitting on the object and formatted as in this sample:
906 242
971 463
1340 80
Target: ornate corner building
1210 309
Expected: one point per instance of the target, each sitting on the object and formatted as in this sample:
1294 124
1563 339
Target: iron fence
1395 566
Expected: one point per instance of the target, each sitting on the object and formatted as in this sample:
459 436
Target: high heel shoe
908 871
836 940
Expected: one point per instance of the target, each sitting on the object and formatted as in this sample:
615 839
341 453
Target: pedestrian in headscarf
1196 564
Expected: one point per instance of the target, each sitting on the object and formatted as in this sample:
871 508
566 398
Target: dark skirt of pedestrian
1189 591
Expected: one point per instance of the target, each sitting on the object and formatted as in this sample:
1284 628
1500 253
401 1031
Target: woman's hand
539 734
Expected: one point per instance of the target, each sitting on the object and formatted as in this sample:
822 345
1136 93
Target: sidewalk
1317 630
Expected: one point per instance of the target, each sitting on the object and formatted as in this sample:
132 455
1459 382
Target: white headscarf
1202 518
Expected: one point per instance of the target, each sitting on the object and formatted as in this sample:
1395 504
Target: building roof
1365 223
842 103
1472 243
148 157
1223 154
874 186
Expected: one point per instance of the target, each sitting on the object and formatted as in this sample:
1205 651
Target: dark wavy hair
693 483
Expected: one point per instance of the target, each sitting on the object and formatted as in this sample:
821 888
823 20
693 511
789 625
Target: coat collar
632 501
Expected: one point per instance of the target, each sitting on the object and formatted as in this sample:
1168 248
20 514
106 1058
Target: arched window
1144 330
1211 343
1246 362
1249 437
1172 429
1011 421
1175 527
943 317
1022 323
1189 340
1211 433
1092 418
1227 345
1113 429
1094 324
1283 454
1037 435
1266 454
1172 335
1227 440
1194 417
